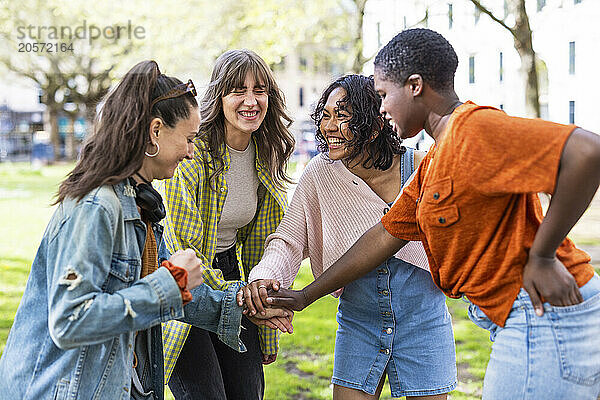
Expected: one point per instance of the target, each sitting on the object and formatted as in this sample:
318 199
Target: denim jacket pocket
121 274
62 390
577 340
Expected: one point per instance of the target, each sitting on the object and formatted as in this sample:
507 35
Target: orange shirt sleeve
507 154
401 220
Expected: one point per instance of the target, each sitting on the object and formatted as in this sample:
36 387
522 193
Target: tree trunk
52 115
359 58
70 141
523 43
524 46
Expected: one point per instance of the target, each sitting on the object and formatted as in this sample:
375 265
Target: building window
572 58
477 14
379 34
541 4
502 106
571 112
472 69
450 16
301 97
303 64
405 23
501 67
576 1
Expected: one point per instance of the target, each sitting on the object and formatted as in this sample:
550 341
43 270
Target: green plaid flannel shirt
193 212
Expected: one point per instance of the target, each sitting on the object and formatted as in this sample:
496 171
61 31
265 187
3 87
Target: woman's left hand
549 279
268 358
254 294
275 318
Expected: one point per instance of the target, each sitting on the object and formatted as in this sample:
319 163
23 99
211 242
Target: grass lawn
305 362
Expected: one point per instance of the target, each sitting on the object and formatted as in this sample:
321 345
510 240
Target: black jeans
209 369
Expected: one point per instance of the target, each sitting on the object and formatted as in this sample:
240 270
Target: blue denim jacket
73 334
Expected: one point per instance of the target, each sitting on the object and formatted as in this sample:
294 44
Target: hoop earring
155 154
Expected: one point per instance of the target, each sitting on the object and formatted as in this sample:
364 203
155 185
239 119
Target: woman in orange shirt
474 205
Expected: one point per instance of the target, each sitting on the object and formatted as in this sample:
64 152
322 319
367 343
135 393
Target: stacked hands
265 303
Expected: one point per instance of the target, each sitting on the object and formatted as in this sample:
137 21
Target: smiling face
334 124
398 106
245 108
176 144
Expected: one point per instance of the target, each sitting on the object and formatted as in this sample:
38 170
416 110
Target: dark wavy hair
115 149
274 141
374 142
419 51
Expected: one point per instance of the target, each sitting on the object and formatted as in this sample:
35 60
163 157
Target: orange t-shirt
473 203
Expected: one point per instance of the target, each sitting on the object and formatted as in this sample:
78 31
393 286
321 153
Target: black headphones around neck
149 200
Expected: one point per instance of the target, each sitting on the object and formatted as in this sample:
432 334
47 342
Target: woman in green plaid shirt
223 204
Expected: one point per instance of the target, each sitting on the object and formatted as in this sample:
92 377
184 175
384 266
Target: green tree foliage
184 37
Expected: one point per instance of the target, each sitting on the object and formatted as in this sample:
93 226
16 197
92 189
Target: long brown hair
274 142
115 149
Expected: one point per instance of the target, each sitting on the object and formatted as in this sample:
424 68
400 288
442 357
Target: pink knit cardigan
330 209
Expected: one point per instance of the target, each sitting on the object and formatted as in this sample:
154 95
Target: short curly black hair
418 51
365 121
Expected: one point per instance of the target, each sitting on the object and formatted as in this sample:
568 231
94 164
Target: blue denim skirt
556 356
394 320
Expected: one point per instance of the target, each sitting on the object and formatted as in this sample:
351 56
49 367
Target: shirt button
436 196
222 189
385 292
385 210
125 389
387 313
382 271
442 220
387 351
389 331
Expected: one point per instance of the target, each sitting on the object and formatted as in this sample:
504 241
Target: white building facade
565 39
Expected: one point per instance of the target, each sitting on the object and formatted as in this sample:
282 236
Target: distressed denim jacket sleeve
218 312
93 294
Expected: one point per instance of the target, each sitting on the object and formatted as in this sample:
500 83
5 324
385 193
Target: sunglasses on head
177 91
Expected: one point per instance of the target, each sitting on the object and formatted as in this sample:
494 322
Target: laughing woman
393 321
223 203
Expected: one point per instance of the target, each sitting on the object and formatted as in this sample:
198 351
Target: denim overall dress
394 320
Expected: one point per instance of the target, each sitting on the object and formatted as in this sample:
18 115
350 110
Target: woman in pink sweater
394 320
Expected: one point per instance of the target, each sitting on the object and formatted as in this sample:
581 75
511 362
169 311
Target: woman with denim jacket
88 325
223 203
